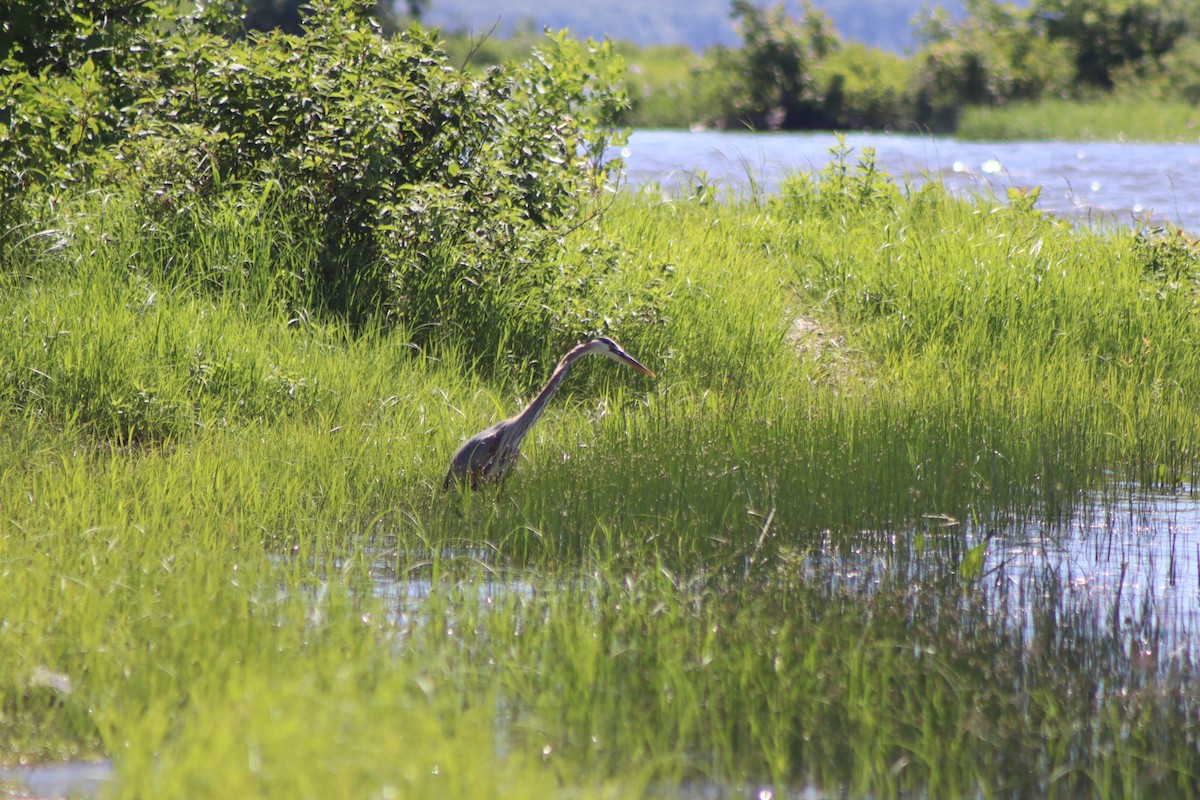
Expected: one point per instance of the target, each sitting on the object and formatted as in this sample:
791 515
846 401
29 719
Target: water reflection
1125 556
1131 561
404 594
71 779
1100 182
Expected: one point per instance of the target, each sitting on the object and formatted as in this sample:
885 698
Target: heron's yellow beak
634 363
614 351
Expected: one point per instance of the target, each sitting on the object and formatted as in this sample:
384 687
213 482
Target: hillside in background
696 23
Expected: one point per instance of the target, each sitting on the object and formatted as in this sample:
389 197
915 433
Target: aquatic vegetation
790 561
1126 116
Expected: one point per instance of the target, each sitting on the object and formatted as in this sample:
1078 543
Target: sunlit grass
1118 118
226 563
666 86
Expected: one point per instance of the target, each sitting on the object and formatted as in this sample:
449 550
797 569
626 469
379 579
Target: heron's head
604 346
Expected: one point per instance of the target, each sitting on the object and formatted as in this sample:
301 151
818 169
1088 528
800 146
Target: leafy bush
796 73
776 66
62 89
866 87
441 199
54 126
1107 36
59 35
999 53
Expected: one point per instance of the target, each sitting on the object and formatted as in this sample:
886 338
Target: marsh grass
222 535
1125 117
666 86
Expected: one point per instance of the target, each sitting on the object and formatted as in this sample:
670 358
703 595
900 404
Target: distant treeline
796 71
698 24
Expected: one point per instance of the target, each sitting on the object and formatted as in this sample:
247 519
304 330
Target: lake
1119 183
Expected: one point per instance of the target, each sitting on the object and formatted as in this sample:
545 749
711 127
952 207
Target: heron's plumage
489 454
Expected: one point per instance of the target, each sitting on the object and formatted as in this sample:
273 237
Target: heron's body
488 455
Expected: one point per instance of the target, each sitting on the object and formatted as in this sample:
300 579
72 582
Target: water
70 779
1125 553
1130 555
1134 559
1127 557
1101 182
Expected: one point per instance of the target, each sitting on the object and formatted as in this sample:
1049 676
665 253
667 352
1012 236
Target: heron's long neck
531 412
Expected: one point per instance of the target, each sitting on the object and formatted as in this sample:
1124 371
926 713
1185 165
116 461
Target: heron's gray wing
503 447
476 456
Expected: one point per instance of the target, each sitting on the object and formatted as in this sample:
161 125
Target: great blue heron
487 455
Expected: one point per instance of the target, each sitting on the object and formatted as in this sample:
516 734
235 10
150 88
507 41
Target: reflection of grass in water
188 483
769 674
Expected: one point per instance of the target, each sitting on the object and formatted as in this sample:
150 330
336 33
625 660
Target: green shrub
998 54
397 159
866 87
444 200
1108 37
64 92
795 73
776 86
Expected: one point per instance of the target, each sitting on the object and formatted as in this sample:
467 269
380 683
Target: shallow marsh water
1104 182
1128 557
1131 562
1140 546
1124 553
70 779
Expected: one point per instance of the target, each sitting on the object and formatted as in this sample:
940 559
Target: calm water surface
70 779
1102 182
1131 560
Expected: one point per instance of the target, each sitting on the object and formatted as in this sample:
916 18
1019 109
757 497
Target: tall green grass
226 563
1117 118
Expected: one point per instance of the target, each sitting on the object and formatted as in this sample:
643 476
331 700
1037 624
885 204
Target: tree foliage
1108 36
776 86
795 71
998 53
1002 52
439 198
59 35
864 86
